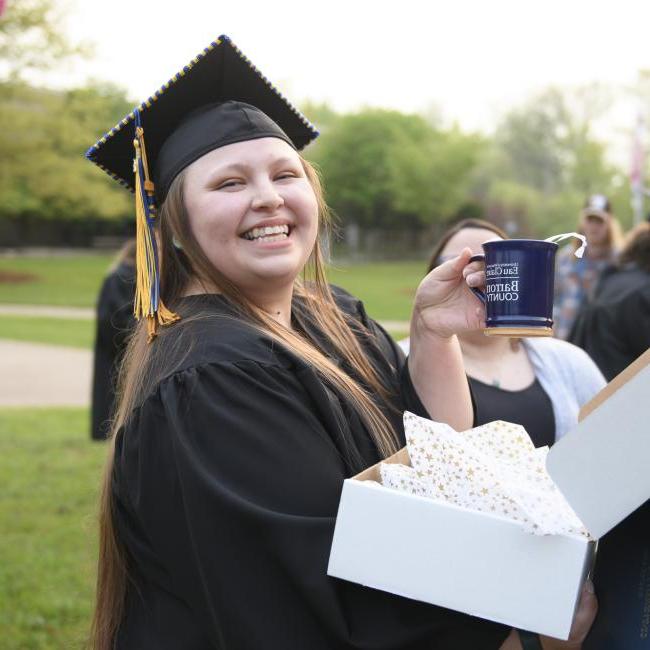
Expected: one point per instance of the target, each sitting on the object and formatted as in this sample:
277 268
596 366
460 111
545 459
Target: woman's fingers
475 279
586 614
461 262
474 267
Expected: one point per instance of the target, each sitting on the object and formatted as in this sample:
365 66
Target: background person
540 383
115 322
614 328
576 278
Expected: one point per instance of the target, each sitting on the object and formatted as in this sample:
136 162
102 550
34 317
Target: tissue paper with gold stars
494 468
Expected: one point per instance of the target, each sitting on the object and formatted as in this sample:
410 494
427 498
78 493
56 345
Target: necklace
494 378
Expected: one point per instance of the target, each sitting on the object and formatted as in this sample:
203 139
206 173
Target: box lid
602 466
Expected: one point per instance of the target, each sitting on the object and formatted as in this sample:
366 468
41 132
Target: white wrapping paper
494 468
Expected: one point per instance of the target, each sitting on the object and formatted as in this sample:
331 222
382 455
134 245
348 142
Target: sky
467 60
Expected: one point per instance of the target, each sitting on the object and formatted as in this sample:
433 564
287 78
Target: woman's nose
267 197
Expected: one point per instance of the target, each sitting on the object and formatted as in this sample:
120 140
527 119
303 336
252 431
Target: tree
32 38
532 139
387 169
42 168
549 141
545 159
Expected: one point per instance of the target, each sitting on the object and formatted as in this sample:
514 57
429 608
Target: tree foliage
42 168
32 38
387 169
544 160
43 173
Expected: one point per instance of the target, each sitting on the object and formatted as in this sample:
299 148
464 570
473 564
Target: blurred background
429 113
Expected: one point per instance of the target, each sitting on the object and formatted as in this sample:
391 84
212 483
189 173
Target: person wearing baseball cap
576 278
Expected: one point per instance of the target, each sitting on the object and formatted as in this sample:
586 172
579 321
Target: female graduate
249 393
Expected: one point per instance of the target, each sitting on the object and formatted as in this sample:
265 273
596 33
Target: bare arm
444 305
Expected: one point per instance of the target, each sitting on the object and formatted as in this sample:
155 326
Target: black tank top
530 407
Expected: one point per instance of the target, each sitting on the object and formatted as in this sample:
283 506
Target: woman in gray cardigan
538 383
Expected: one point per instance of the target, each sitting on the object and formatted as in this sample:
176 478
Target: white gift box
488 566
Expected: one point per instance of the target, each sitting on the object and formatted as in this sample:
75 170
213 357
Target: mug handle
479 257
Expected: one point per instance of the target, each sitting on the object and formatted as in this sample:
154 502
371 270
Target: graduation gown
227 482
115 321
614 329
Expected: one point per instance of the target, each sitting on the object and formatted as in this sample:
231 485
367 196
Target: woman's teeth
268 233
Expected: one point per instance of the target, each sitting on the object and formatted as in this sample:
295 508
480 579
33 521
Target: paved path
34 374
86 313
52 311
49 311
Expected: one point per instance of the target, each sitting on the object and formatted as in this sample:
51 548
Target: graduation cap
218 98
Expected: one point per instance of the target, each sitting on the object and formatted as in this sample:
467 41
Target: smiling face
253 212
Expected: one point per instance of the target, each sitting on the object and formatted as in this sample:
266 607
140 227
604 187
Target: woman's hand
444 305
584 619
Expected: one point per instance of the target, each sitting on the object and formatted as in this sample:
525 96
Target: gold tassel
148 303
166 316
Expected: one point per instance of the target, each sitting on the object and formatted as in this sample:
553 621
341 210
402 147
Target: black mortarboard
220 73
218 98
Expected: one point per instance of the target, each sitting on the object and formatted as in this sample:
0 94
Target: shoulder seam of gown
155 392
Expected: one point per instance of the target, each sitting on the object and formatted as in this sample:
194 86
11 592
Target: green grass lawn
58 280
56 331
50 475
387 289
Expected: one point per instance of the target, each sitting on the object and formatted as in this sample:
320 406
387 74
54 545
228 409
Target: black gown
614 329
227 482
115 322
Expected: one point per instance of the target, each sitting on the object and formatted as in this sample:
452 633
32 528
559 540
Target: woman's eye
285 175
229 184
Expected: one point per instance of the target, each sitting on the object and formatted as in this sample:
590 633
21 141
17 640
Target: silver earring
176 243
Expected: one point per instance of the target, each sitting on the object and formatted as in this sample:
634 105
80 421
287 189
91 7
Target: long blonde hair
142 370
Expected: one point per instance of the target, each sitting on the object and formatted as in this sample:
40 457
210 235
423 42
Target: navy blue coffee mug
519 279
